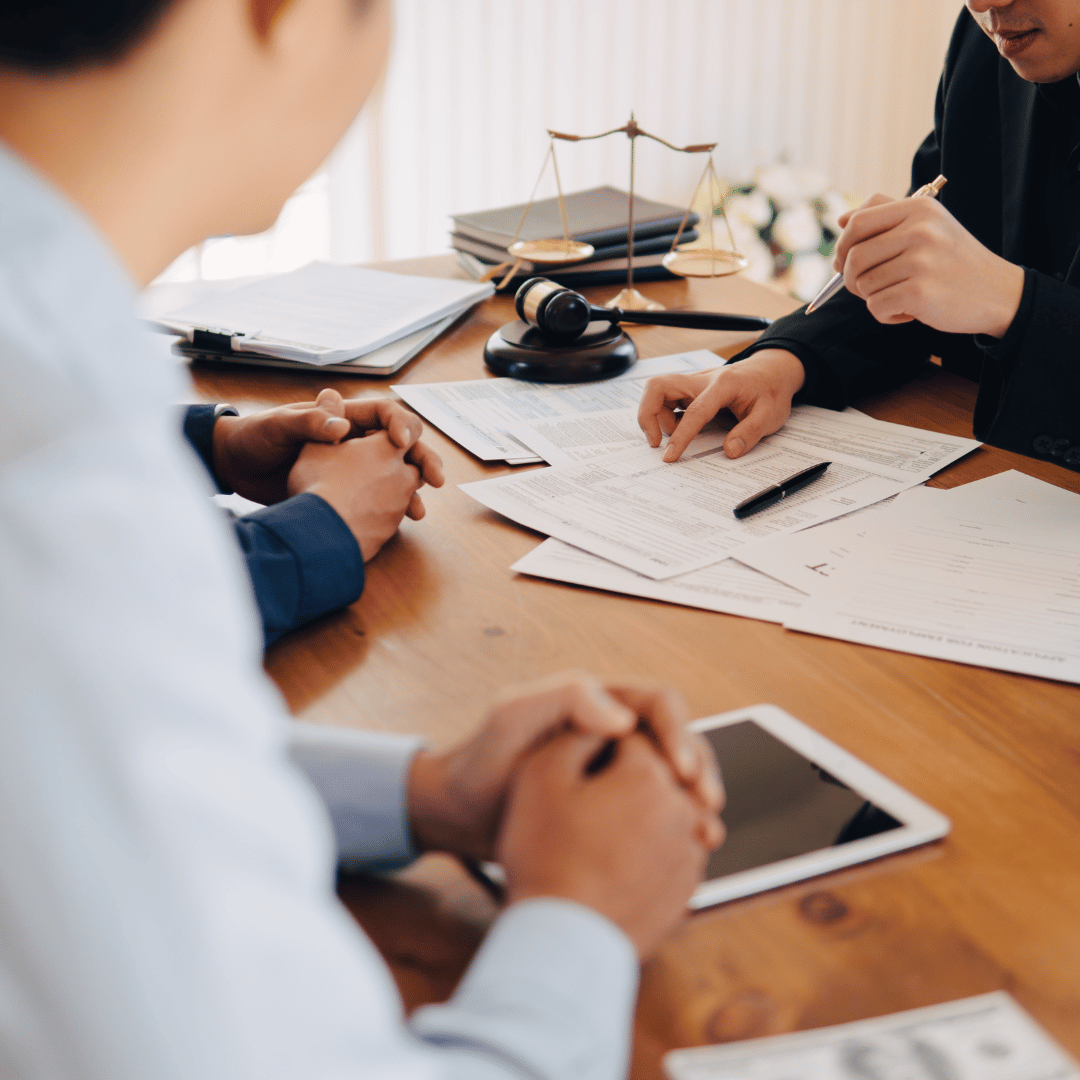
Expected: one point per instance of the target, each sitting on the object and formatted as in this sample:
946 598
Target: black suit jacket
1029 382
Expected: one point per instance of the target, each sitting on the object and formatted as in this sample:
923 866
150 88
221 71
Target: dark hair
59 35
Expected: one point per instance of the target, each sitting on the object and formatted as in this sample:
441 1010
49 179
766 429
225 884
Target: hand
629 841
457 798
758 390
369 482
253 454
911 259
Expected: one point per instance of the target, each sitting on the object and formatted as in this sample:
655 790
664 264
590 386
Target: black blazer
1029 382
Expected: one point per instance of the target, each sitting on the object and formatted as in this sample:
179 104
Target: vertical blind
845 87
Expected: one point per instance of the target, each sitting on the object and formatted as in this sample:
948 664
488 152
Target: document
562 440
661 519
325 314
806 560
477 413
988 1037
726 586
964 575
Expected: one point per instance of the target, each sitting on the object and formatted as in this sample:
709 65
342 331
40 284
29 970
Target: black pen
775 492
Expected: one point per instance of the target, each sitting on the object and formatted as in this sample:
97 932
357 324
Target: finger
428 462
893 305
716 396
874 264
373 414
575 699
568 754
416 509
659 395
663 711
330 401
711 832
763 419
668 420
871 219
312 424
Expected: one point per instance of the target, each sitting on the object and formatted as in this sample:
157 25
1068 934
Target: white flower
809 272
753 209
833 205
797 228
787 184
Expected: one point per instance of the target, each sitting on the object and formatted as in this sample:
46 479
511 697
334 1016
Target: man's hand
253 454
911 259
457 798
758 390
370 482
628 840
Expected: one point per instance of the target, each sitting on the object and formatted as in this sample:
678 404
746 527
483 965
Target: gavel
561 314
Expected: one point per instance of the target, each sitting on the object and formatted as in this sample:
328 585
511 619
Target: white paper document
726 586
988 1037
562 440
806 560
965 575
477 413
661 519
326 314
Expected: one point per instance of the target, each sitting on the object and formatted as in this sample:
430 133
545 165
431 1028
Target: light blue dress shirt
166 871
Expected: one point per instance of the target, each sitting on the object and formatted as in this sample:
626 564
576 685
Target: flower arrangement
784 221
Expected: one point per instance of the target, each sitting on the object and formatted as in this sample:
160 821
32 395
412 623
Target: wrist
1007 298
428 800
786 371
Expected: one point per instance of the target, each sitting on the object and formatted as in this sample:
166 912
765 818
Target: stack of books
598 216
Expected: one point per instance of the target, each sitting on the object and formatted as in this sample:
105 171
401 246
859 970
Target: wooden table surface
443 623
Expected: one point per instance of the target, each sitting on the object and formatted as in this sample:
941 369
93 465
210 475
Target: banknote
979 1038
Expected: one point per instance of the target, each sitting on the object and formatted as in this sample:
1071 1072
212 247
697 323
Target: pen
775 492
837 279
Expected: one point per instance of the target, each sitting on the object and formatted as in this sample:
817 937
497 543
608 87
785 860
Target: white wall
842 86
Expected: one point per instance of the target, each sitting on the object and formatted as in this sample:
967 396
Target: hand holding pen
911 259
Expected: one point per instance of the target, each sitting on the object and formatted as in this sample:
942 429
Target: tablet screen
780 804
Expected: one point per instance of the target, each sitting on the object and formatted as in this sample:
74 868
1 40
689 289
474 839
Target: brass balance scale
685 261
559 336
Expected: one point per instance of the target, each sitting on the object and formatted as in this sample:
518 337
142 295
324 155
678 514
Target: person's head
172 120
1040 38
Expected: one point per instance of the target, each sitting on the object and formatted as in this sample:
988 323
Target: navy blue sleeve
199 423
302 560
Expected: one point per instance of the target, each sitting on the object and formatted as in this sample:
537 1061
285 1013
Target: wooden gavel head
557 312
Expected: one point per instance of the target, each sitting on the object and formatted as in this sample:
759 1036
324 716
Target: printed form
661 519
727 586
477 413
965 575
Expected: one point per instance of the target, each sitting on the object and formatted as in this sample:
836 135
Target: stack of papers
664 520
481 414
344 317
985 574
988 1037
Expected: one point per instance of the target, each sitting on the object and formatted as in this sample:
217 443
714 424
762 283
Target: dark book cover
597 216
650 245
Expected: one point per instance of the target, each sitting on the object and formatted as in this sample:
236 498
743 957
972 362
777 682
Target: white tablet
798 805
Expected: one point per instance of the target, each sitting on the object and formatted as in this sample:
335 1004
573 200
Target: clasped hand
364 457
629 840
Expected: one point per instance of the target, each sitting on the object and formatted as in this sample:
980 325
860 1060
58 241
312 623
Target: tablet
799 805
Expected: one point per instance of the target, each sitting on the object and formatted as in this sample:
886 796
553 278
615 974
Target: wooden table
443 624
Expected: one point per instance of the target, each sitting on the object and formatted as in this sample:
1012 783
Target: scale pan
704 262
551 251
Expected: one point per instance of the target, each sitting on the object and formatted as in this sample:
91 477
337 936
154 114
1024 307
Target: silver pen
837 279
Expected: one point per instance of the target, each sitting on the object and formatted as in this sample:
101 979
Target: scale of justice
559 336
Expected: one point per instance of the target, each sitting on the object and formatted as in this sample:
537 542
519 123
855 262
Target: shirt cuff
550 993
323 554
362 778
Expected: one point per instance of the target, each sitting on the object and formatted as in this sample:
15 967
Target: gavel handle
690 320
